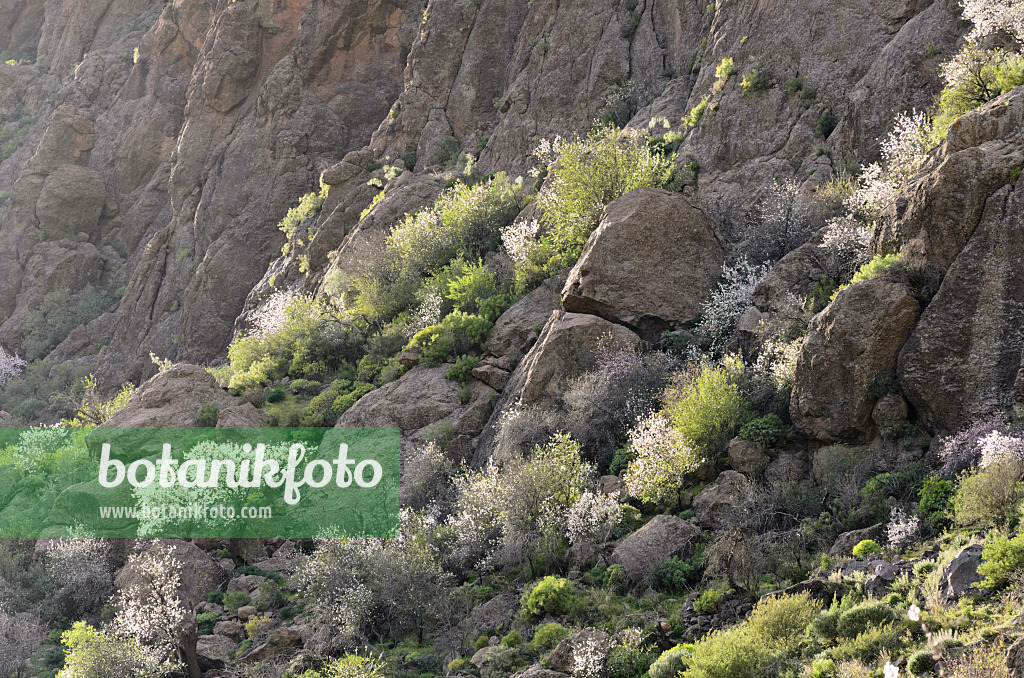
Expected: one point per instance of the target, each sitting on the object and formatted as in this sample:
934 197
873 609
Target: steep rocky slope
180 158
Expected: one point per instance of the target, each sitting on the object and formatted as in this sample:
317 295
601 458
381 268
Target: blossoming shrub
663 457
519 513
728 301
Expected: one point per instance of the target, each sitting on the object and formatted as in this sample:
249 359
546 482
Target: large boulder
215 652
513 333
283 642
963 359
422 397
565 349
961 574
856 339
174 398
650 264
716 504
642 552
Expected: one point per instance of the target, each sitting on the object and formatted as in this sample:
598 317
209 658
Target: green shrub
729 654
874 268
921 662
468 291
705 405
481 642
677 574
457 334
989 495
1001 558
823 667
935 502
501 662
621 459
707 601
547 636
205 622
462 369
551 595
866 547
826 125
215 597
867 646
464 222
459 665
235 600
671 662
864 616
766 430
627 662
587 175
276 395
270 596
512 639
994 72
754 81
208 415
779 621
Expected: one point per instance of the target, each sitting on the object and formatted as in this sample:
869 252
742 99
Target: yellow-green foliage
735 653
297 347
779 622
696 113
94 410
551 595
547 636
309 205
1002 557
723 72
458 334
876 267
988 495
705 405
587 175
255 625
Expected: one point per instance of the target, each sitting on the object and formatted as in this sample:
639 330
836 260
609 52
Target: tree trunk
187 648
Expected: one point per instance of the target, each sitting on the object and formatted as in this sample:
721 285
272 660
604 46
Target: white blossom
11 366
903 527
149 610
588 659
991 16
997 448
593 516
519 239
729 301
663 457
272 314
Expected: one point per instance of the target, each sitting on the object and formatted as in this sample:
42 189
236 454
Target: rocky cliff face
158 145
